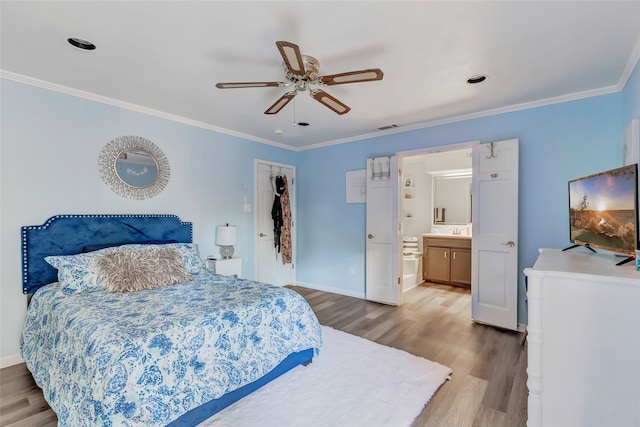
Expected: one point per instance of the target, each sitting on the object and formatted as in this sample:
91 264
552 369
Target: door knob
263 235
510 243
370 236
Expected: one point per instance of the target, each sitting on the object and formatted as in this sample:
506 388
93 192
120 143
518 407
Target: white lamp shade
226 235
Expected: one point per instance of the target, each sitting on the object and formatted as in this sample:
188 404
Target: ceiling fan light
302 71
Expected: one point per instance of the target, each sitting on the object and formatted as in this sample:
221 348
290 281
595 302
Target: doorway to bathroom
492 242
435 200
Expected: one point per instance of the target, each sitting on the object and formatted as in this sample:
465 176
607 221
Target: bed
107 354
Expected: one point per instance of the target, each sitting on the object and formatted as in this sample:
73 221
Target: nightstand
226 267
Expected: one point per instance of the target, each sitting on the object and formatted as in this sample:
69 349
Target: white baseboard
330 289
11 360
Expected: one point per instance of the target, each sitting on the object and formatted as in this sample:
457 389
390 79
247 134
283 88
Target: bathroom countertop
447 236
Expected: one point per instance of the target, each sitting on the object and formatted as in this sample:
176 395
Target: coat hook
492 146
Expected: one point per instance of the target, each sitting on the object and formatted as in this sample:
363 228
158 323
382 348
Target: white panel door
494 284
269 266
382 279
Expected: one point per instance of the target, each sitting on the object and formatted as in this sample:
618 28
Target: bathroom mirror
452 198
134 167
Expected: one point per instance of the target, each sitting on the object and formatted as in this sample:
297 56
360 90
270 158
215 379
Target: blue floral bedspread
145 358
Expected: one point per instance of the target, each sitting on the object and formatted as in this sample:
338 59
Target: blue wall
50 147
50 143
557 143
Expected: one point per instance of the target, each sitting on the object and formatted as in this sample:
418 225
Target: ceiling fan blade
329 101
352 77
240 85
280 103
292 58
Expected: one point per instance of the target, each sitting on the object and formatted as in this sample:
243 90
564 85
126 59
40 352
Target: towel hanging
381 169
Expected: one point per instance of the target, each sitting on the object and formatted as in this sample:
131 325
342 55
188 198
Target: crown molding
20 78
402 128
486 113
631 64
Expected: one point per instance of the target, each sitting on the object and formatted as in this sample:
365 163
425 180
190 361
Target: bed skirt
207 410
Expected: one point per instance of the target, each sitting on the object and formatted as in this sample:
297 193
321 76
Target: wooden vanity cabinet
461 266
447 260
436 266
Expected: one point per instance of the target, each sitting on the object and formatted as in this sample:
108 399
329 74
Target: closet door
269 265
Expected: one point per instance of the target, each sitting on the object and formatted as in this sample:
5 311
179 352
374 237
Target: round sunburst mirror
134 167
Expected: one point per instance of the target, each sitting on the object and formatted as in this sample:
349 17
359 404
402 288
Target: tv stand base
626 260
578 246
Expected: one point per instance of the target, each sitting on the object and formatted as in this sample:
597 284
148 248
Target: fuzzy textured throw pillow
127 271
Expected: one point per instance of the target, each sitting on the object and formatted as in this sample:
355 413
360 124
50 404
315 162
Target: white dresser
583 340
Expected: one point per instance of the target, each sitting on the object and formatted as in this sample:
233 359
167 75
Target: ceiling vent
387 127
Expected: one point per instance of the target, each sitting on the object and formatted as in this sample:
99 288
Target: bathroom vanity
447 259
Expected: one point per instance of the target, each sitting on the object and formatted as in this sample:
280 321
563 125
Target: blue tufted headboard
69 234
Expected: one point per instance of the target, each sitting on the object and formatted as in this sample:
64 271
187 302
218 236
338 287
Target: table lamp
226 238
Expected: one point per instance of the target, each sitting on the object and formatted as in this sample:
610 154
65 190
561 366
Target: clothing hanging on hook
276 211
285 240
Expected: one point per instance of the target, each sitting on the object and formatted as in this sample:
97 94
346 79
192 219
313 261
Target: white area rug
353 382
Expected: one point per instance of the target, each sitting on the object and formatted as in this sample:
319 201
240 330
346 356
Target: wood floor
488 386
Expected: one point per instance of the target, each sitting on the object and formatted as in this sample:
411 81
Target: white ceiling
166 56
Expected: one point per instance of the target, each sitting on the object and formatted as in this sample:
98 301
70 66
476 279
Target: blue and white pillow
79 273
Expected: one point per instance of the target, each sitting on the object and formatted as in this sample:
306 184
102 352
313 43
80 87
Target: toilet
411 263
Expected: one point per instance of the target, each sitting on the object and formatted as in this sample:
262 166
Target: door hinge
398 280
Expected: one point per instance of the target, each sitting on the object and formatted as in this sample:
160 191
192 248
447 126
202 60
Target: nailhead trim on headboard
29 239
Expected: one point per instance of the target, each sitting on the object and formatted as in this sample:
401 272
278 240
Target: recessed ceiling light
476 79
81 44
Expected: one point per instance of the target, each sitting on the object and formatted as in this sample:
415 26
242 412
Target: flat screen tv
603 211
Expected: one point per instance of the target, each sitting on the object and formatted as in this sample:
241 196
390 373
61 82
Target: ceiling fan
301 72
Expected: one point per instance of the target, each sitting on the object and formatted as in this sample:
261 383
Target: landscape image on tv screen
602 210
